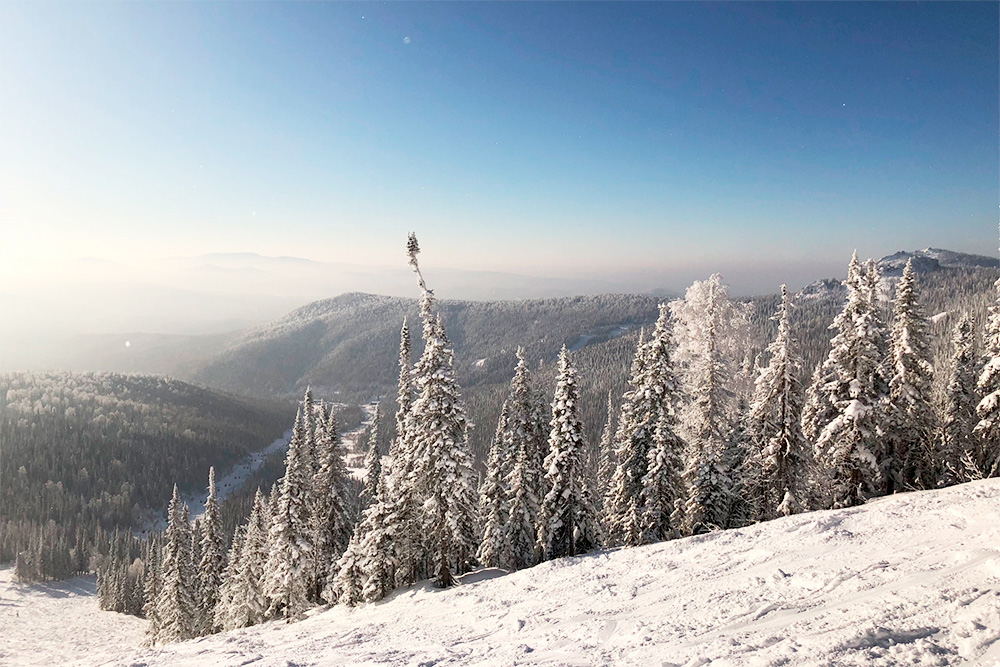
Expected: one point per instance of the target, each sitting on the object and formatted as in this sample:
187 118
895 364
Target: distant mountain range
928 260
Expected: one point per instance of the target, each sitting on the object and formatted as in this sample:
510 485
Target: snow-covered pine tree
436 434
152 581
404 393
663 493
289 563
401 494
850 447
987 458
621 503
308 447
250 603
607 461
522 441
378 561
176 607
332 522
711 329
779 447
212 560
957 445
373 462
493 505
347 578
654 391
912 462
225 607
567 521
706 473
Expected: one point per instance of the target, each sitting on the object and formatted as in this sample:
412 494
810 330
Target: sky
657 140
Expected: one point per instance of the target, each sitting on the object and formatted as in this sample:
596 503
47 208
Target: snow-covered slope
913 579
59 624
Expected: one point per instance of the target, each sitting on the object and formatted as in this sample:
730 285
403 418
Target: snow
59 624
910 579
940 316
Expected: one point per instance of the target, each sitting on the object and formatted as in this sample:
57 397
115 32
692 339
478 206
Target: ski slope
913 579
59 624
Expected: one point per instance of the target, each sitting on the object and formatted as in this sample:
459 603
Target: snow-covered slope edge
911 579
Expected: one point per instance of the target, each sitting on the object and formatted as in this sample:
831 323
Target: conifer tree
911 459
958 447
225 609
250 603
401 492
436 433
567 522
212 560
373 462
708 477
289 564
493 505
347 579
780 449
525 476
176 609
152 581
663 493
607 461
850 447
654 393
331 518
987 458
378 560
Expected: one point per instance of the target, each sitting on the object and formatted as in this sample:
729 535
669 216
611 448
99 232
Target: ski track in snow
913 579
241 472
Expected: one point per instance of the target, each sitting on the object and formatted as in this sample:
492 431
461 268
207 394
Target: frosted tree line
705 439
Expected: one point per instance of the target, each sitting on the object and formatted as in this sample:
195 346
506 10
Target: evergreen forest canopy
87 454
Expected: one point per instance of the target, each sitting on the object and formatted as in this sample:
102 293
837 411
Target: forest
703 437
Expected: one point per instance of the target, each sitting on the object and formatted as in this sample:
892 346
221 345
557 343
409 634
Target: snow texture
909 579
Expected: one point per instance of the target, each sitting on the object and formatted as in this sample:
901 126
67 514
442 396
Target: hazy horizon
537 149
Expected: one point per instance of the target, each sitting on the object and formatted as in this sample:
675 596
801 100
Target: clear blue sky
555 137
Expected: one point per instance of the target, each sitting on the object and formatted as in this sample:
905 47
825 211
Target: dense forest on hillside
82 451
345 347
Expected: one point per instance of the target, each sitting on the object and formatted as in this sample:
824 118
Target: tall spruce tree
850 447
779 448
373 462
225 607
607 460
524 480
436 433
709 419
493 505
663 493
176 607
987 458
567 521
957 448
331 519
654 392
250 602
213 559
911 460
290 561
